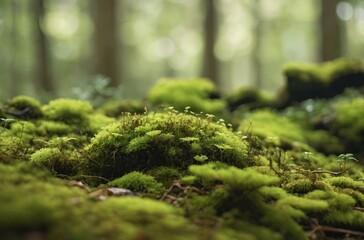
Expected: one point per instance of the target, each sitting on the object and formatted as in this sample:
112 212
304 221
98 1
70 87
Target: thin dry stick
359 209
337 230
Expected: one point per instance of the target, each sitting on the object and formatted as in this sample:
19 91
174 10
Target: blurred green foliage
163 39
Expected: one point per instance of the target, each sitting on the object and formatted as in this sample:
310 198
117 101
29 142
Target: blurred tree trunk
14 45
331 42
43 78
257 66
106 61
210 62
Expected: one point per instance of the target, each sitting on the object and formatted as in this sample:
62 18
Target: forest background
60 48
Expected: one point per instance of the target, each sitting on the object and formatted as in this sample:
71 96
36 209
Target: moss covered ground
206 165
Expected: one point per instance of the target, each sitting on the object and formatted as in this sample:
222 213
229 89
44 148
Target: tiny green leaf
154 133
200 158
189 139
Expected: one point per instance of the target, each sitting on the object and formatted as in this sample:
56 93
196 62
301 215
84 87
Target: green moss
67 110
299 186
237 186
357 195
324 72
50 128
248 97
342 202
324 142
33 202
198 94
150 219
313 160
95 122
319 194
348 121
138 182
24 107
143 142
350 219
268 124
346 182
233 230
240 197
304 204
273 192
247 178
116 107
165 175
327 79
55 160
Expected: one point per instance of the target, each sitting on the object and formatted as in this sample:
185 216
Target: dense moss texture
70 171
170 139
33 205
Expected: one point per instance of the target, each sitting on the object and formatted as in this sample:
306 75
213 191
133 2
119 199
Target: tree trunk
43 78
331 42
210 62
257 66
106 61
14 45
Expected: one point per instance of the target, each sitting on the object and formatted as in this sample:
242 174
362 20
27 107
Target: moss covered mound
71 172
49 208
348 122
339 118
266 123
142 142
23 107
114 108
200 95
325 80
250 98
279 130
274 209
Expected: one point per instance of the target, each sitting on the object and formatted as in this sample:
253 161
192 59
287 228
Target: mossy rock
23 107
200 95
139 183
171 139
249 98
115 108
324 80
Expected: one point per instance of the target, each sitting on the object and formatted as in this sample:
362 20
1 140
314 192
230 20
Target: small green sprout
344 158
347 157
187 109
307 155
153 133
200 158
210 116
6 122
